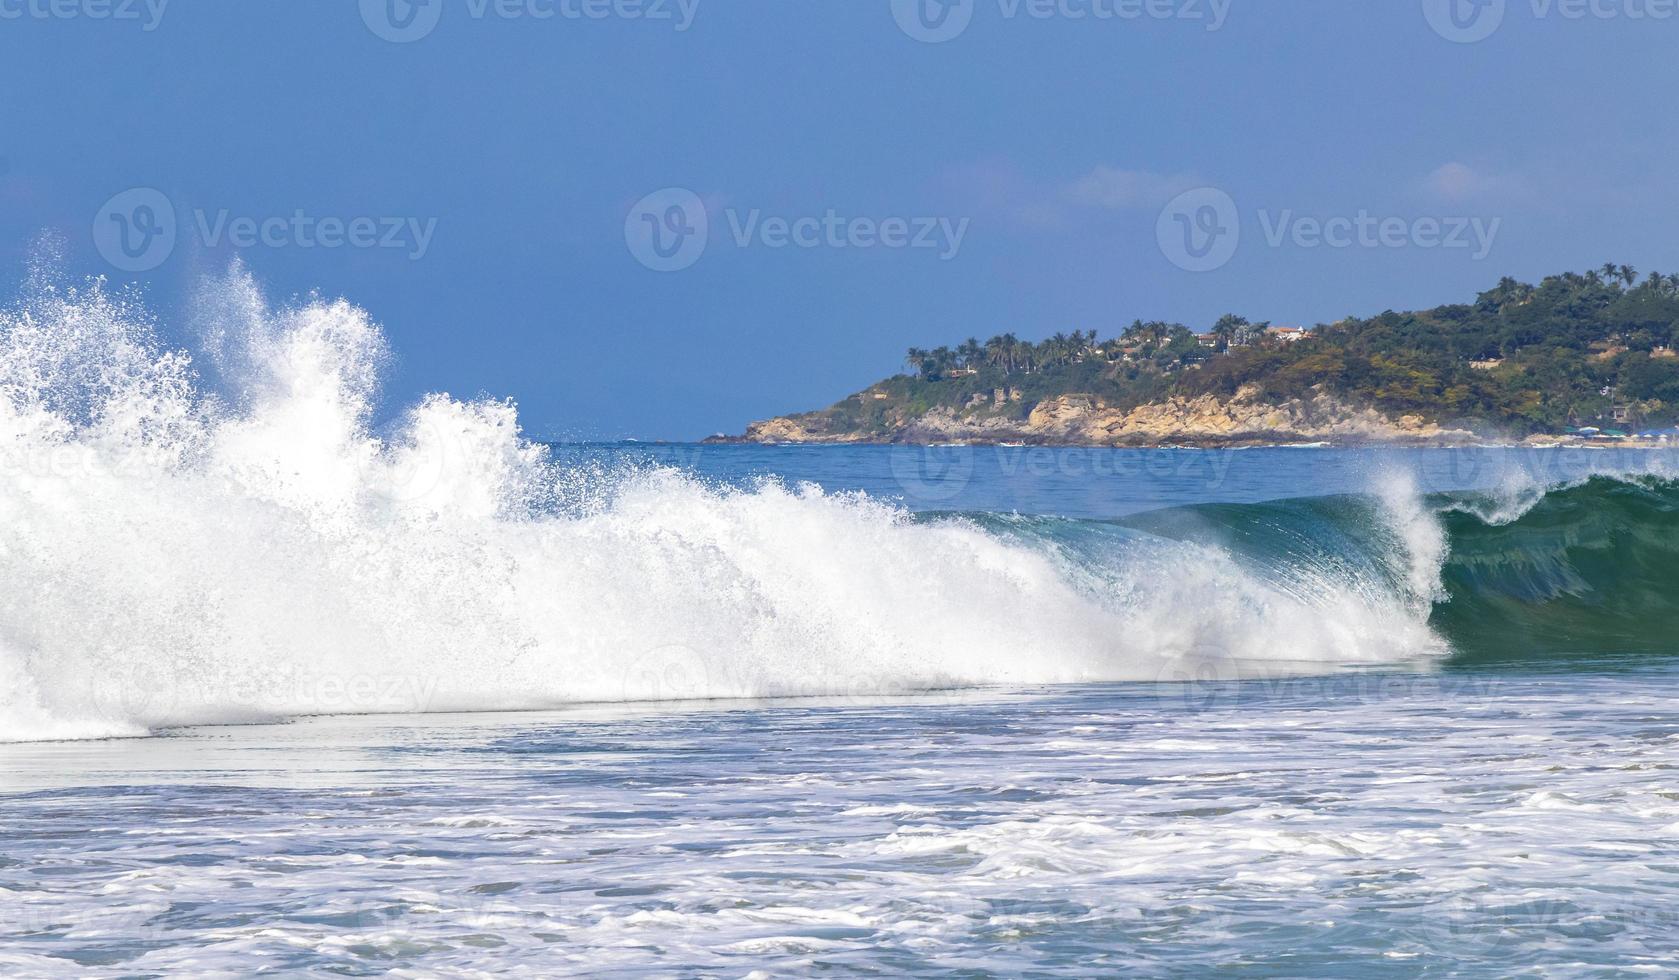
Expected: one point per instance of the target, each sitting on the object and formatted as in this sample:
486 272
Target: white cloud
1000 187
1457 181
1113 188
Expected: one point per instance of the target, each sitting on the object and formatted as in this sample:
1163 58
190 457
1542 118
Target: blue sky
515 149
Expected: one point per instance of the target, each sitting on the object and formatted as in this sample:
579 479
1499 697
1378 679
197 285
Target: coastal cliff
1085 420
1579 356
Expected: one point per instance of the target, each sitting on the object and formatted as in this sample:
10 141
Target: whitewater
226 536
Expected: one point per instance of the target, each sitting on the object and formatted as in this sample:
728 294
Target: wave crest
180 552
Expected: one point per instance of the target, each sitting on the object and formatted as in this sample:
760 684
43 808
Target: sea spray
1421 540
182 549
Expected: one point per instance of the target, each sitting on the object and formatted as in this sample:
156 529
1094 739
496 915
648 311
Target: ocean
284 687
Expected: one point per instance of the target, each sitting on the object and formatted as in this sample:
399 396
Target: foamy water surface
1372 825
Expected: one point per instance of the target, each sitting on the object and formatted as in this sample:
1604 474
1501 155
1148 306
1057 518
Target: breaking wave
1590 569
226 537
1562 574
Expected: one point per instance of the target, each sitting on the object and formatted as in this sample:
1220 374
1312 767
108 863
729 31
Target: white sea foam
185 550
1479 825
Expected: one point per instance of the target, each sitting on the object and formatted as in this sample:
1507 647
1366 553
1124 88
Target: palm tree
1152 332
1026 355
1011 350
1230 330
1628 274
1056 349
916 358
972 354
1509 293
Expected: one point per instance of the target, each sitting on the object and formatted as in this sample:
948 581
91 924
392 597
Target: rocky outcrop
782 430
1084 420
1241 419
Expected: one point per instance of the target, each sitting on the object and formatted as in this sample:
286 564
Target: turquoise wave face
1589 570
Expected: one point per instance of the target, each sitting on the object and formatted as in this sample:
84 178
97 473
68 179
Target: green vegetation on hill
1591 349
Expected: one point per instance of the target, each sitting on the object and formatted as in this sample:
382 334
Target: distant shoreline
1545 442
1580 359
